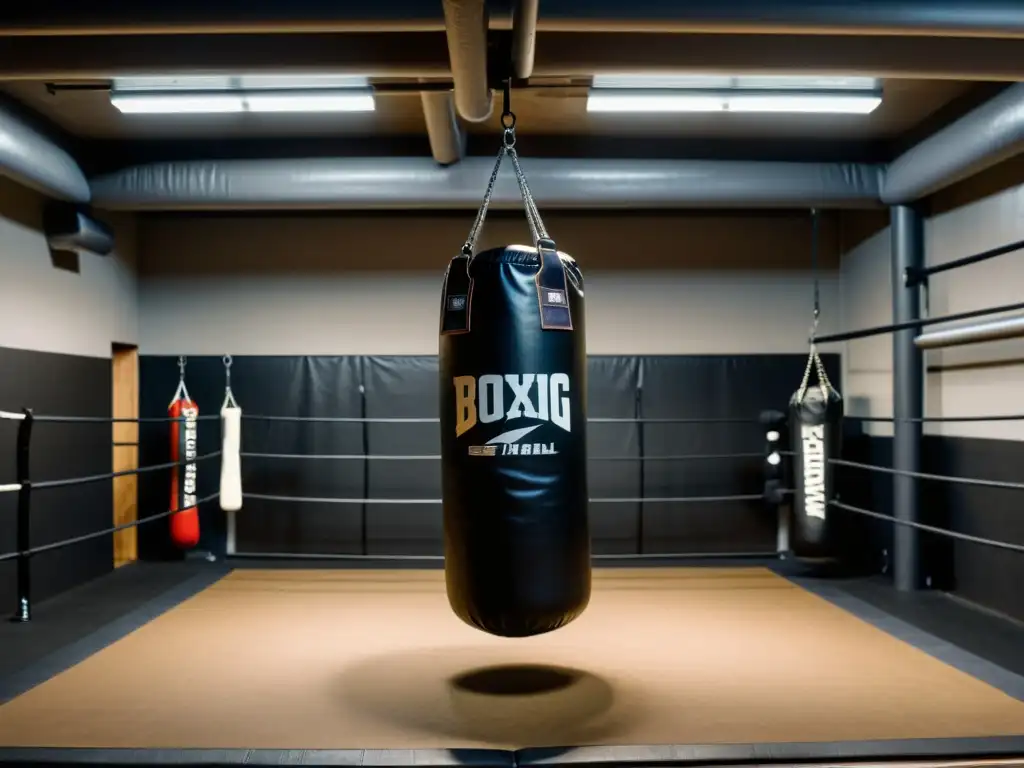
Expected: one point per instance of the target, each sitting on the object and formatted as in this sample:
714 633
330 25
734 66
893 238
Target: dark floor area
75 615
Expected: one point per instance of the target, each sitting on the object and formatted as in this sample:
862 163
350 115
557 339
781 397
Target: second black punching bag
513 384
816 433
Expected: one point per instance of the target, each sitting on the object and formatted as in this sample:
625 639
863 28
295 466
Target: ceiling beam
566 54
558 54
399 54
984 18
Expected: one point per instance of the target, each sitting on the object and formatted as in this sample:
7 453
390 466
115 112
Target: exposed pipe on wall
992 330
524 37
447 137
419 183
466 25
32 159
978 140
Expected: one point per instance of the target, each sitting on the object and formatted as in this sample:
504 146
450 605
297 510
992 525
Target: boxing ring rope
930 528
437 457
25 486
1005 484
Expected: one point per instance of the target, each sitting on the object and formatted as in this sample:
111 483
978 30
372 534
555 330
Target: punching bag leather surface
513 440
816 435
184 522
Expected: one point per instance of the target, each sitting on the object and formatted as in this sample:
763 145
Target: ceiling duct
524 37
447 137
466 25
419 183
31 159
985 136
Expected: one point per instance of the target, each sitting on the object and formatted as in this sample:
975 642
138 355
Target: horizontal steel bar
880 330
994 330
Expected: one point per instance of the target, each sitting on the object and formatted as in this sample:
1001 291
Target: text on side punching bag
812 438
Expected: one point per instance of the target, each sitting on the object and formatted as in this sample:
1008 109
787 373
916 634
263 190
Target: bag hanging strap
552 288
457 296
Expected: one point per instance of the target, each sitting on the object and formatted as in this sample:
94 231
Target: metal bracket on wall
913 277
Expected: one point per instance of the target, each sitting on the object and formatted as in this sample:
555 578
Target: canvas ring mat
363 659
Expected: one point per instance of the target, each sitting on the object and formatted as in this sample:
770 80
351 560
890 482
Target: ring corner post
907 232
23 612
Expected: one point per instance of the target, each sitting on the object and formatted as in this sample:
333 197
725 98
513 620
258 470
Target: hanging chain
227 370
182 361
815 232
813 358
508 147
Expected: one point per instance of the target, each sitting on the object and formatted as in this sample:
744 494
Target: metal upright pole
907 227
23 612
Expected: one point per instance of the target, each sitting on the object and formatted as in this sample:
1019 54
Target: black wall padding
612 393
274 386
65 385
985 575
403 387
407 386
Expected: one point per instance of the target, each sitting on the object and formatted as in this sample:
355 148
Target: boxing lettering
191 436
532 395
813 440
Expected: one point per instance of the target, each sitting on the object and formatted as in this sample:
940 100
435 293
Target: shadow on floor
479 696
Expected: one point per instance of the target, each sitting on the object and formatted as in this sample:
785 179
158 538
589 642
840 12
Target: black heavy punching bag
513 433
816 432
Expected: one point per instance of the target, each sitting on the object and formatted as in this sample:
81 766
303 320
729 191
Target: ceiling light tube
177 103
644 100
351 100
317 100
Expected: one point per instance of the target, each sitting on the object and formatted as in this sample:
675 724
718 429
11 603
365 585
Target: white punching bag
231 446
231 459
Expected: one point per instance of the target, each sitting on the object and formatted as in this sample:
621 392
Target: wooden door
126 450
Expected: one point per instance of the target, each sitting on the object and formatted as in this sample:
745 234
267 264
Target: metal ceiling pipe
447 137
524 36
985 136
410 183
33 160
962 18
466 25
994 330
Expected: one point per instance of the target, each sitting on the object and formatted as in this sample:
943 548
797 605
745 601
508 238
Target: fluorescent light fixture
253 93
349 100
846 104
165 103
769 94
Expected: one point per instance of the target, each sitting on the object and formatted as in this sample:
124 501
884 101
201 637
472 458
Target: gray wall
981 379
671 283
62 304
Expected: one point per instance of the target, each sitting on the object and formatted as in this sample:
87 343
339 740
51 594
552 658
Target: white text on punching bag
813 439
191 434
534 395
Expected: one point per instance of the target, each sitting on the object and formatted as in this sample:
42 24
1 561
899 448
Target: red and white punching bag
184 434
